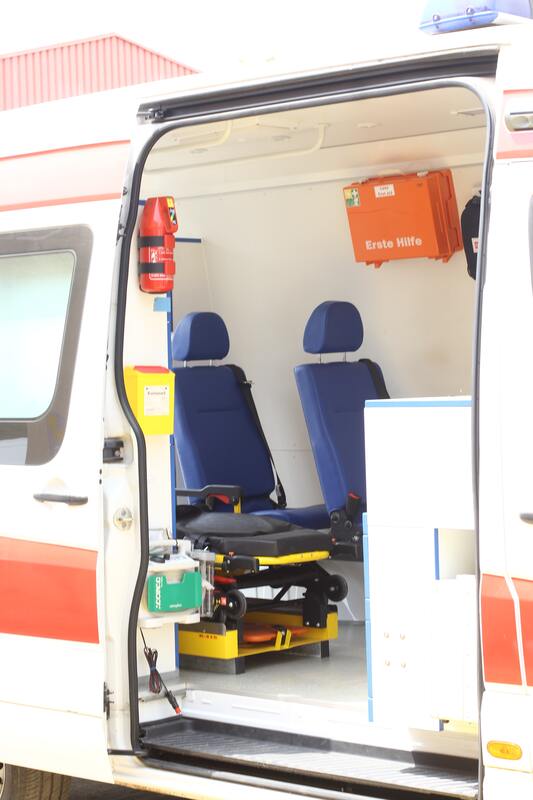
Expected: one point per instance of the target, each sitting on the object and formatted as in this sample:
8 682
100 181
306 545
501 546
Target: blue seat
217 440
333 398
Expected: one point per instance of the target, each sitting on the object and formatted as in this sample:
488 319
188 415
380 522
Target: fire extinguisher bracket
151 241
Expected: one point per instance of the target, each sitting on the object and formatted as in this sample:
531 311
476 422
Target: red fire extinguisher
156 245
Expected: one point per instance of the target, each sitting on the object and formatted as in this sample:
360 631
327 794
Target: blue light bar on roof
442 16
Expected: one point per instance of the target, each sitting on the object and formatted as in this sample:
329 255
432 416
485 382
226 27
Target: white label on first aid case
156 401
384 190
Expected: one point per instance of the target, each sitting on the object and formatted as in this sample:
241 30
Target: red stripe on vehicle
524 590
69 149
524 152
48 591
61 201
501 663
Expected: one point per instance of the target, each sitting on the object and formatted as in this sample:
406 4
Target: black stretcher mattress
249 535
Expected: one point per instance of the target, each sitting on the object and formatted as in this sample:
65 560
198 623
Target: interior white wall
269 256
146 344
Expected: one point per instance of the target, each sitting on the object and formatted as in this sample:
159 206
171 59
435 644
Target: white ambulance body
257 171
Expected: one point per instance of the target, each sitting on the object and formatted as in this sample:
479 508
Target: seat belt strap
246 389
377 378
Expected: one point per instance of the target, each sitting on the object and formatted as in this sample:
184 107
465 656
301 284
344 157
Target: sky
215 34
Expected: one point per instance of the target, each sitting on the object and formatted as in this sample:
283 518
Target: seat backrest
216 439
333 398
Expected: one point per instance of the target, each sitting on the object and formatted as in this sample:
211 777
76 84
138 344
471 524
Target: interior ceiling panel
411 132
358 122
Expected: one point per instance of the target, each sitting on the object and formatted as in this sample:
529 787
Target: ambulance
323 278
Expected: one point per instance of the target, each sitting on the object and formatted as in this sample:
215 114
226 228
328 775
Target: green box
166 594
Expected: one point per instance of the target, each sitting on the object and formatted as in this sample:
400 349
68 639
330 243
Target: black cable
155 681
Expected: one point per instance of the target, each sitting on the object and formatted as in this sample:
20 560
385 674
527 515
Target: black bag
470 231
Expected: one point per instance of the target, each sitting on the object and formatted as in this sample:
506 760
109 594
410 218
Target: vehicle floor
299 675
229 723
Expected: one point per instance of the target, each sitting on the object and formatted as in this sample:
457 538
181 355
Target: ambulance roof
110 116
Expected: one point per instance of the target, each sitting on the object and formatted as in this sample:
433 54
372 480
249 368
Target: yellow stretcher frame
205 643
274 561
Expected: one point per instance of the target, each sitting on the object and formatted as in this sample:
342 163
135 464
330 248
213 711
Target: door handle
68 499
527 517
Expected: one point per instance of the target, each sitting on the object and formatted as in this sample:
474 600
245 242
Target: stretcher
252 552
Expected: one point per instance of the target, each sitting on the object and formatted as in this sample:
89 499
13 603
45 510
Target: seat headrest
333 327
200 336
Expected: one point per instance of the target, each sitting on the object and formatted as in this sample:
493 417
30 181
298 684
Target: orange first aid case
404 216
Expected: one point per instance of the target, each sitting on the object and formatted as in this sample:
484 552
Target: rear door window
34 293
43 275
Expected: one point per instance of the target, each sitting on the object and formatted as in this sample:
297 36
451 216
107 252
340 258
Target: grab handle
68 499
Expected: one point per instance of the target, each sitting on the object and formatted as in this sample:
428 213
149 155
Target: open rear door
54 307
506 447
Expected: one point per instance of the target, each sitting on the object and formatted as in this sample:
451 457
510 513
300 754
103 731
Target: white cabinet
420 598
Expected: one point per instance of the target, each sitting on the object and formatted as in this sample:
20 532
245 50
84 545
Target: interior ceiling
323 128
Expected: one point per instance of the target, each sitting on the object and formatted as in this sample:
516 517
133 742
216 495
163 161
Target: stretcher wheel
235 604
336 588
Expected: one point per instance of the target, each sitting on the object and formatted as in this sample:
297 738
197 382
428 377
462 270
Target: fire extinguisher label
171 210
156 401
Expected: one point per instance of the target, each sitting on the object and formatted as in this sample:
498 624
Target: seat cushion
333 399
250 535
217 442
216 438
316 517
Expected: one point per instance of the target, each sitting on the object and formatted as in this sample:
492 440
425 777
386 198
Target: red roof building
90 65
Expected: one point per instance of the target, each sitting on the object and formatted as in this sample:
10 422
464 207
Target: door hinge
153 114
113 451
107 700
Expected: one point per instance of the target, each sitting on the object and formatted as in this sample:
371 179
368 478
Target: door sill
309 760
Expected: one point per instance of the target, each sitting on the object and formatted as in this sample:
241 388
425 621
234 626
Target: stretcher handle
233 492
68 499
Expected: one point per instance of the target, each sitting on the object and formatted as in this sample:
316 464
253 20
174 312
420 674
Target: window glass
34 297
43 279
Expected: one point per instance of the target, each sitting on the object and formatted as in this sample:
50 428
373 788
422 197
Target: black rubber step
312 757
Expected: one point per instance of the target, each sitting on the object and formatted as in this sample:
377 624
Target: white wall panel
272 255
